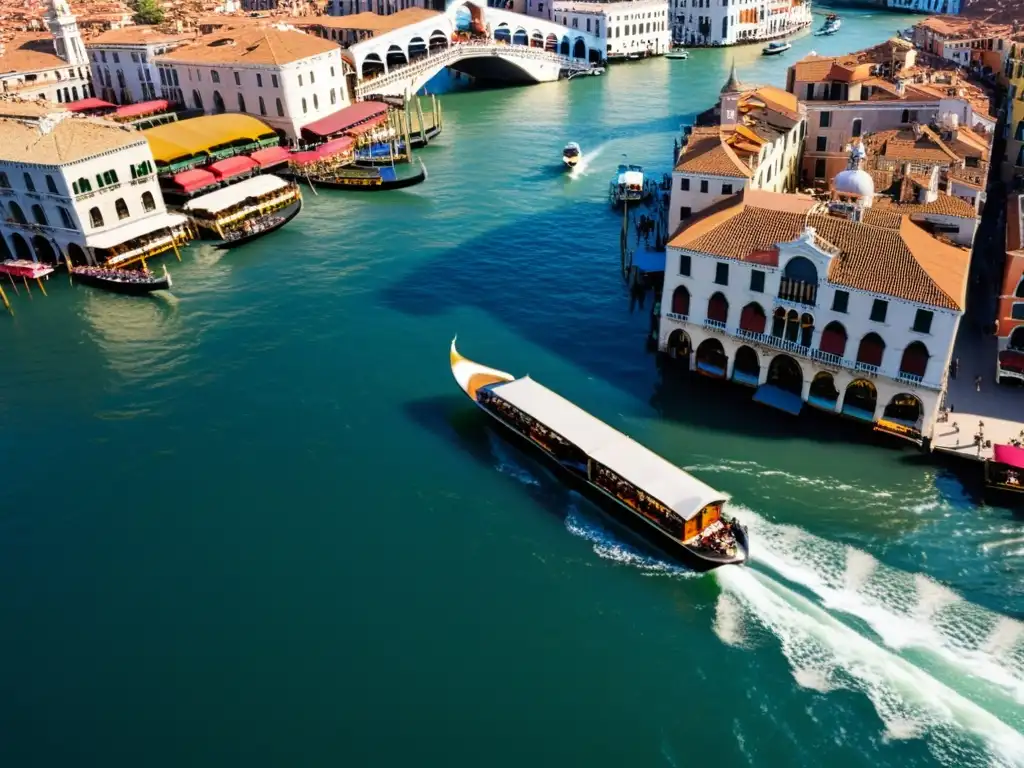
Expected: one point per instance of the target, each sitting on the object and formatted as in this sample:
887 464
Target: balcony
798 292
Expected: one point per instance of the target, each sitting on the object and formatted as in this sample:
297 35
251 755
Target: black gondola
363 178
260 227
133 282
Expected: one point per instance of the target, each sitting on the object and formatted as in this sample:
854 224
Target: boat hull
287 213
128 289
773 51
370 184
674 549
571 162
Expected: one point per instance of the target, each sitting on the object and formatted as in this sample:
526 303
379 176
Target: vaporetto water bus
669 508
242 212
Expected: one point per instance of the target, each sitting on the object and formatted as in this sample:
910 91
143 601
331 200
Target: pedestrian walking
977 383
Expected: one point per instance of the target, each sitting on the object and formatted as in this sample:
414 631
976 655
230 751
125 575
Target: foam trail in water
905 610
1005 543
729 620
825 654
589 156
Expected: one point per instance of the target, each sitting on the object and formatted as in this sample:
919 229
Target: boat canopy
232 166
649 472
86 105
236 193
1010 455
204 135
270 156
134 229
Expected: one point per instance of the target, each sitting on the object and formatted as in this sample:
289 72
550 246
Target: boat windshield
623 168
637 168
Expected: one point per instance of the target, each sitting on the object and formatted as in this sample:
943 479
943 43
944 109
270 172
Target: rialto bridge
486 43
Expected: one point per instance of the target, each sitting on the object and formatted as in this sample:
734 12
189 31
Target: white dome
855 181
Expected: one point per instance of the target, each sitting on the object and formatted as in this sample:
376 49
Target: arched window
74 93
95 217
856 127
39 215
263 107
241 103
122 208
871 349
197 100
915 359
303 105
148 204
718 307
905 117
752 318
280 109
334 96
29 184
799 282
833 339
215 75
218 103
681 301
17 214
65 218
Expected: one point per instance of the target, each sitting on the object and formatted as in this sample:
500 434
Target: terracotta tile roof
28 108
944 205
30 53
967 176
368 21
779 100
71 139
705 152
251 45
883 216
903 261
817 69
137 35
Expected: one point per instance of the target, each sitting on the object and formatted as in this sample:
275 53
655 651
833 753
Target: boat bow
472 376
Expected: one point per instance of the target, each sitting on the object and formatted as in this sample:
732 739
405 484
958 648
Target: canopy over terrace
231 195
89 105
360 114
184 143
683 494
129 111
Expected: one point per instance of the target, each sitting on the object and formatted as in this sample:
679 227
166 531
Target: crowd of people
251 227
552 442
123 275
720 539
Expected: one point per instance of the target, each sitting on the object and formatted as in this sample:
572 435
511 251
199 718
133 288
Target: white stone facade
125 72
728 22
703 279
629 28
59 77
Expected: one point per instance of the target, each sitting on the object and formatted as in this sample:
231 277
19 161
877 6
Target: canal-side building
880 89
1010 307
49 66
704 22
1013 163
79 188
627 28
836 303
285 77
123 62
751 140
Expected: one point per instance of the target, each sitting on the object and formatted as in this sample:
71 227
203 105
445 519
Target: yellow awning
184 138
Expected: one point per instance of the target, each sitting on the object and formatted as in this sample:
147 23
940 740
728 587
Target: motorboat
678 54
831 25
774 49
628 186
669 508
571 154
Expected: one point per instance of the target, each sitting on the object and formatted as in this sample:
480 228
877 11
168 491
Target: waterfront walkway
999 407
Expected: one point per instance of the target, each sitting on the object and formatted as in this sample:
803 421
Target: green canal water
256 524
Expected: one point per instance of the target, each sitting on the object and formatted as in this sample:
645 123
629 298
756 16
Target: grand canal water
256 524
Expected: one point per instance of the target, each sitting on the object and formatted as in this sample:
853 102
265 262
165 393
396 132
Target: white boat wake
589 156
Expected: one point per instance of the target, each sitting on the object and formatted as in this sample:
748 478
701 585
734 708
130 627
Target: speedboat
571 154
774 49
628 186
669 508
677 52
831 25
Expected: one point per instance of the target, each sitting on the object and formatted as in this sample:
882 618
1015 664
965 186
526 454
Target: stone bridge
498 45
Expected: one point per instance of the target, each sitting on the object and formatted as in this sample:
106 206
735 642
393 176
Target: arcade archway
679 347
746 367
785 373
860 400
711 359
823 392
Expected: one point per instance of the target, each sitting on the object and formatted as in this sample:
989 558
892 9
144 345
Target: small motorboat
628 186
677 53
571 154
774 49
134 282
831 25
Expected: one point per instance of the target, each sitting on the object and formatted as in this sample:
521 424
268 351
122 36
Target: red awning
189 181
345 119
83 105
362 128
142 108
1009 454
270 156
335 147
232 166
303 158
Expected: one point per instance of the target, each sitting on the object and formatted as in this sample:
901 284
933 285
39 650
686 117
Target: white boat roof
135 229
236 193
682 493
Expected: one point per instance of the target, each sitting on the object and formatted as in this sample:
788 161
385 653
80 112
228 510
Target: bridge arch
536 39
372 66
564 47
520 37
438 41
551 43
579 48
417 48
396 56
503 34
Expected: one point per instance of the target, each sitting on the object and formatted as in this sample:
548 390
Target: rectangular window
300 80
757 281
273 80
727 189
684 212
684 265
259 80
810 92
840 301
722 274
878 310
704 186
923 321
819 168
684 185
824 119
312 78
238 78
821 144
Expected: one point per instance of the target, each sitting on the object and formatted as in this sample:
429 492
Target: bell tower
66 38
